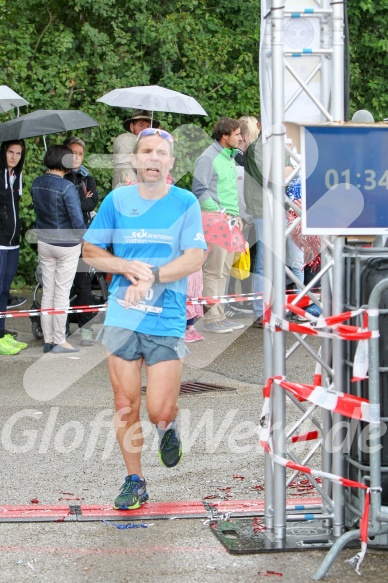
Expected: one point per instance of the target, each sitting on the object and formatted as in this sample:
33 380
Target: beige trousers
215 276
59 266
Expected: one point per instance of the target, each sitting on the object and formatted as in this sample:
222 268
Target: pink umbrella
219 230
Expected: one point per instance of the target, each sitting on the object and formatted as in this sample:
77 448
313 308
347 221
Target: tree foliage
368 41
67 55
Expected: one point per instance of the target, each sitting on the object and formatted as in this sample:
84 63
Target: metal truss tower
302 81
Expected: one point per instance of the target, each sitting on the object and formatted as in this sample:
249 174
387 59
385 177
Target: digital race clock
344 179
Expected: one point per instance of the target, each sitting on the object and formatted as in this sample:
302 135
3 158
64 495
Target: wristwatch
155 271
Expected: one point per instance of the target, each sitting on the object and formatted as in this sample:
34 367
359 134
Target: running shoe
217 328
234 325
192 335
14 343
12 332
170 448
87 337
132 495
6 349
232 314
314 310
244 307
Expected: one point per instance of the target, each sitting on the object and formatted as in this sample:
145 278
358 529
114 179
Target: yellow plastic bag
242 264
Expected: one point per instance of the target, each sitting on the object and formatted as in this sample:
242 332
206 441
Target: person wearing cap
124 144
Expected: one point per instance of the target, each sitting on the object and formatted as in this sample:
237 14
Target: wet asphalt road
58 447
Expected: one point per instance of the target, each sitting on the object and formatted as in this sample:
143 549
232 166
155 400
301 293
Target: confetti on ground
127 525
258 525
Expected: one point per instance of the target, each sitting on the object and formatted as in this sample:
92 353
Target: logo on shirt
199 237
144 236
134 212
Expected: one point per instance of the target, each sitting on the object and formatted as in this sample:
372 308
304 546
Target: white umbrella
153 98
9 99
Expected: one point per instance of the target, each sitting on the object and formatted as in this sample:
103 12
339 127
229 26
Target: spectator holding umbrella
12 155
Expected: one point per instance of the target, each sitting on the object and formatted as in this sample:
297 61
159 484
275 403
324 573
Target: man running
155 231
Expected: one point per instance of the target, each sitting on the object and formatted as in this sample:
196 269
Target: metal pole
279 252
325 60
339 377
268 277
338 70
327 376
268 339
337 96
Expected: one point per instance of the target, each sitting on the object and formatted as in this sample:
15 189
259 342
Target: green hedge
65 56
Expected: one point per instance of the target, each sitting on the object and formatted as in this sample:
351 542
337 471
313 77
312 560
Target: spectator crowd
228 185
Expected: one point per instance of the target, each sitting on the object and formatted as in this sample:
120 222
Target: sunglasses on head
153 132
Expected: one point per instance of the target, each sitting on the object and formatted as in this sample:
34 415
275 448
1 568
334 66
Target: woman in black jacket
88 196
12 155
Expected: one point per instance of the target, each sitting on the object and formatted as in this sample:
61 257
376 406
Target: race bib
152 303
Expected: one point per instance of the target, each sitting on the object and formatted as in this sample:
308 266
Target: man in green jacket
215 186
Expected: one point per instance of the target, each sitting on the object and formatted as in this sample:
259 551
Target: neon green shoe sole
132 495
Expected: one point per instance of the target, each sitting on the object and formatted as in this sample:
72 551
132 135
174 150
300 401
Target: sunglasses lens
155 131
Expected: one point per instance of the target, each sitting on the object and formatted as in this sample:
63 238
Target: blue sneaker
234 325
133 494
311 309
170 448
217 327
232 314
314 310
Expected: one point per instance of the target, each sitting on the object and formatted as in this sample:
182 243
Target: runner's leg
125 377
163 386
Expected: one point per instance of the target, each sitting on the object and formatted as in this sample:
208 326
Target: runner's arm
108 263
190 262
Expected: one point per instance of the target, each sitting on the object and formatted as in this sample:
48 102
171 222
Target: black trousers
82 288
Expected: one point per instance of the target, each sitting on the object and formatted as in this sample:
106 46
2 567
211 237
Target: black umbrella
43 122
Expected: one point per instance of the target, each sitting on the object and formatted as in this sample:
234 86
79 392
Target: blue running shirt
156 232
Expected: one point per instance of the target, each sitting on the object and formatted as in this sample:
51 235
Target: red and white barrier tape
210 300
338 406
344 332
342 403
50 311
310 435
